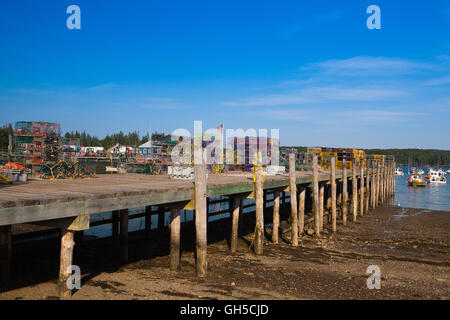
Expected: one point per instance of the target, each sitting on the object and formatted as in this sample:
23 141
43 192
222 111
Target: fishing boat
436 176
399 172
416 181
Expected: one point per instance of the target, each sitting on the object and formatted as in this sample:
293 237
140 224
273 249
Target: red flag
220 128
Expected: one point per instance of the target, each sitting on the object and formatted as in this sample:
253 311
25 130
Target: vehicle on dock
399 172
436 176
416 181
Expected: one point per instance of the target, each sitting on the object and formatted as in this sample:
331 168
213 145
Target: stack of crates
30 138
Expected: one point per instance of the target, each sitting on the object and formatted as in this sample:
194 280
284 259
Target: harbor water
434 196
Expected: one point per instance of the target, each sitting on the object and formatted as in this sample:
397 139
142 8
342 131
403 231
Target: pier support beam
361 188
333 194
115 226
354 192
148 221
236 206
374 181
301 209
276 216
293 191
377 200
5 256
201 215
321 203
259 207
367 188
124 236
344 192
66 257
316 206
175 228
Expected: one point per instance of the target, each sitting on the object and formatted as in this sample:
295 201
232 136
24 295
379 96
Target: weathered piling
5 255
123 236
293 191
201 210
301 209
276 216
66 257
316 196
148 221
115 226
236 205
259 208
367 188
333 194
344 192
377 198
354 192
175 237
361 188
241 217
321 203
374 187
161 218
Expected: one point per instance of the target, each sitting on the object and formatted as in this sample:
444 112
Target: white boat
420 171
448 171
436 176
399 172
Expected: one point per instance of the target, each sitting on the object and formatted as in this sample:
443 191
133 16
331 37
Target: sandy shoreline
411 247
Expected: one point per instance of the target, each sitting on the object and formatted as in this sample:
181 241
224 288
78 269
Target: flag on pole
220 128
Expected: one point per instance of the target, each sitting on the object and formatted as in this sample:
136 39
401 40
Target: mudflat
410 247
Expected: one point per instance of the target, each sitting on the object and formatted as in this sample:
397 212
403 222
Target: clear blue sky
309 68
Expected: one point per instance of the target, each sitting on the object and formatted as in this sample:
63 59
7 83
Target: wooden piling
293 191
333 194
161 218
301 209
321 203
201 215
361 188
236 201
374 189
175 238
367 188
377 199
115 226
66 256
241 217
259 208
354 192
276 216
124 236
316 196
344 192
5 256
148 221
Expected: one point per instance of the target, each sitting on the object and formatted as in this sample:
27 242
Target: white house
146 148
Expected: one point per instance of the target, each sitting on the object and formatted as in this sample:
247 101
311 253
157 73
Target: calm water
433 197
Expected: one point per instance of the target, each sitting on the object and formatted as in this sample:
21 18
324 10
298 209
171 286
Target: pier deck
39 200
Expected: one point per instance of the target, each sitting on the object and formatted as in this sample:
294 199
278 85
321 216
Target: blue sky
309 68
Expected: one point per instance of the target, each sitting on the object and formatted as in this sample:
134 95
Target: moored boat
399 172
436 176
416 181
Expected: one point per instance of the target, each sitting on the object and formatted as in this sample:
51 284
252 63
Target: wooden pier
315 198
